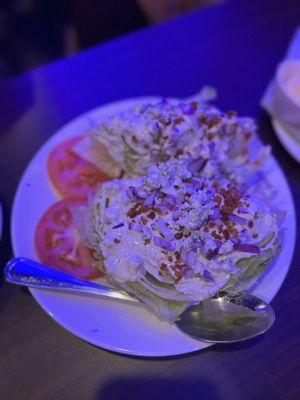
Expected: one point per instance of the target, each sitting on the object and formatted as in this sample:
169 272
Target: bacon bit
216 236
186 235
212 122
134 139
179 152
151 215
194 104
160 273
178 235
231 200
178 121
164 122
144 220
209 136
164 157
117 241
231 114
106 202
170 258
178 276
163 267
226 234
136 210
147 241
177 255
202 120
234 232
250 224
218 200
206 229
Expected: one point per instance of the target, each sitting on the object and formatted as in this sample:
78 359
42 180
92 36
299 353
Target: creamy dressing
179 229
147 134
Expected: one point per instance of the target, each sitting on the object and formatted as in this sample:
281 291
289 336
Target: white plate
287 140
110 324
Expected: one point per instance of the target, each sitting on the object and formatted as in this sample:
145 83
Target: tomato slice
72 176
58 244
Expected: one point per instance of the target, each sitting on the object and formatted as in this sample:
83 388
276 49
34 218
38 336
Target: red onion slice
215 214
164 243
134 226
176 214
191 259
183 254
207 276
197 184
211 254
133 194
163 209
196 165
237 219
162 227
187 108
247 248
234 240
244 210
149 201
118 226
190 189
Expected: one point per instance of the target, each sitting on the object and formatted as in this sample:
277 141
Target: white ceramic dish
113 325
286 93
287 140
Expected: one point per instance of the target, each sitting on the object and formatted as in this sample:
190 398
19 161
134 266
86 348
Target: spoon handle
26 272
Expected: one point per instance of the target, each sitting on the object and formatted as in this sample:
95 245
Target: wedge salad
152 133
169 237
168 209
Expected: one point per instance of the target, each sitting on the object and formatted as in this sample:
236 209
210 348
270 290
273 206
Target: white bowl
286 100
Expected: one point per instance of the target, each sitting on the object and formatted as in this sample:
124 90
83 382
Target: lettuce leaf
169 309
250 269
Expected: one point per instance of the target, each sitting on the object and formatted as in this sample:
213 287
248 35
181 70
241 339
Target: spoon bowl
227 318
224 318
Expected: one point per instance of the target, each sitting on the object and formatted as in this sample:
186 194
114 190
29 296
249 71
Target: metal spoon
224 318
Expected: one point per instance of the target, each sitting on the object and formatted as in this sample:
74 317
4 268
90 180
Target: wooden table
234 47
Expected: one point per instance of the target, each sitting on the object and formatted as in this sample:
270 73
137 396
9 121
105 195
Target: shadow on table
16 97
149 388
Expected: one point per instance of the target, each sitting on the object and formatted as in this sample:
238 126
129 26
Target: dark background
34 32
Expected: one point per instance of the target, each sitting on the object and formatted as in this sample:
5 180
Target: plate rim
36 292
286 139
